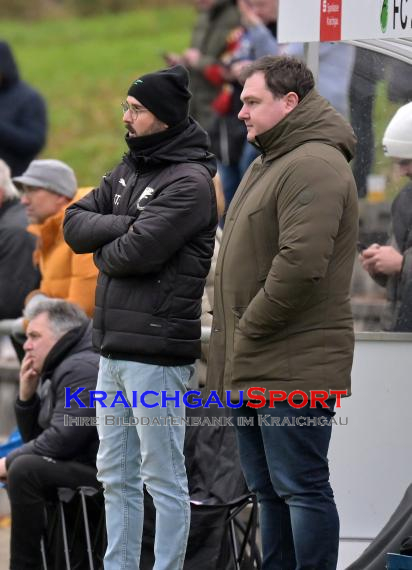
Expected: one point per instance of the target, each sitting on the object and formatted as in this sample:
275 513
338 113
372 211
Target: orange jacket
64 274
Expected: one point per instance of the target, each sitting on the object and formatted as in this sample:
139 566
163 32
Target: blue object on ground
398 562
14 440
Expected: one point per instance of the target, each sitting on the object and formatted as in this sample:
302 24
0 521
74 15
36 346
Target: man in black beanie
165 93
151 226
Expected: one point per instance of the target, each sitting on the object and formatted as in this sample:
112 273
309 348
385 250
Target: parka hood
312 120
9 73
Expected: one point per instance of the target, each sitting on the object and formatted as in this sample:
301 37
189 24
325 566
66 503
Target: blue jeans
287 468
129 457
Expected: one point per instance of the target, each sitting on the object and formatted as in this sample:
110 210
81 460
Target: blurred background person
217 18
23 118
391 264
255 38
18 274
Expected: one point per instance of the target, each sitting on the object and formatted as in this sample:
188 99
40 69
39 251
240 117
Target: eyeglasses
24 189
134 109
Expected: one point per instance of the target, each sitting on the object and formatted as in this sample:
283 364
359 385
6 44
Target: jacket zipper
130 185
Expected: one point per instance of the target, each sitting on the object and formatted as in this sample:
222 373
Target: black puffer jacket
72 363
151 226
18 275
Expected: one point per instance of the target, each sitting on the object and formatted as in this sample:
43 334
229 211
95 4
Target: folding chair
223 525
75 536
223 536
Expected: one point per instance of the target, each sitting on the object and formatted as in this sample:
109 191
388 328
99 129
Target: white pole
312 58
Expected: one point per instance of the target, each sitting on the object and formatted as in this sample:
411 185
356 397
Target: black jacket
23 121
397 316
151 226
18 274
72 363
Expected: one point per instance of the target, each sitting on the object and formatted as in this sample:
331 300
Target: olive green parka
282 316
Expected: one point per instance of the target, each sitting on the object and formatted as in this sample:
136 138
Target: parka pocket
259 358
264 358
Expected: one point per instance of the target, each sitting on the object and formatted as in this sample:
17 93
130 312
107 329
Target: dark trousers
32 479
287 468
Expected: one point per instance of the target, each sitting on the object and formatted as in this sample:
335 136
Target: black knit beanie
164 93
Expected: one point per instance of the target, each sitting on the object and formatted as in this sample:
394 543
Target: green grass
84 67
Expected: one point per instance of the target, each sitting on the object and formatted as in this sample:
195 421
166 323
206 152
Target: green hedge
40 9
84 66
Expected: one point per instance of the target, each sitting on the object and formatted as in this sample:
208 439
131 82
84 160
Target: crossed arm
124 245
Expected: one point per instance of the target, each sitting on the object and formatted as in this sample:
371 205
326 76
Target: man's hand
248 16
29 379
381 259
237 67
191 57
172 58
3 470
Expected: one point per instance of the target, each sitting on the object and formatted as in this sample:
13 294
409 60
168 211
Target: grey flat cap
51 174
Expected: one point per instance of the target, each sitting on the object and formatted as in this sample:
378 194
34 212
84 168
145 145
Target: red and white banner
334 20
330 20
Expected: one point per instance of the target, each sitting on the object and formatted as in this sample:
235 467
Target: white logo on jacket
116 199
144 198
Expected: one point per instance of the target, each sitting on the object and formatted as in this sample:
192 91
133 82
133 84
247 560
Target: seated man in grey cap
47 188
151 225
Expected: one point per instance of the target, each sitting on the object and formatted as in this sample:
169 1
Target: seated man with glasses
60 443
47 188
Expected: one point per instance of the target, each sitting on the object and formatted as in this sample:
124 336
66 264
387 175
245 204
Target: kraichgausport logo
256 396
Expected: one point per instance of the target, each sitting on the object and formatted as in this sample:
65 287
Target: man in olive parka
282 317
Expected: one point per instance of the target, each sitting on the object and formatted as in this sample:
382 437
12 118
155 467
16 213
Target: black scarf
144 149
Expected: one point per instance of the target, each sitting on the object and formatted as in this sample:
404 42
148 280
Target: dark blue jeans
286 466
